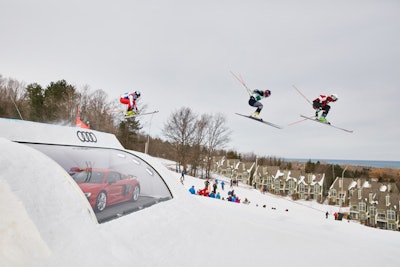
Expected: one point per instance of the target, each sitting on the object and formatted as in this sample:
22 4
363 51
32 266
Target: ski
140 114
328 124
260 120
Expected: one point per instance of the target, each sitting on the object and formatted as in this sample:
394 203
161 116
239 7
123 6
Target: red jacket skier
321 103
130 100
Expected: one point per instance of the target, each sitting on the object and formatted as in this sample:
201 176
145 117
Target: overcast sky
180 53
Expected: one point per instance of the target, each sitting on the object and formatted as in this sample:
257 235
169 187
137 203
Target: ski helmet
267 93
334 97
137 93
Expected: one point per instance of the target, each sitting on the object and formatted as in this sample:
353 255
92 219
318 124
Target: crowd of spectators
210 190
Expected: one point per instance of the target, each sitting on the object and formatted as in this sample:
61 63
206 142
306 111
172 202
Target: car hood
89 187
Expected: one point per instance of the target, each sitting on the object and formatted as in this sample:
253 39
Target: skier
321 103
255 97
130 100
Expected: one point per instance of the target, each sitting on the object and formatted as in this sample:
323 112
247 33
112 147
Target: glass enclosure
115 182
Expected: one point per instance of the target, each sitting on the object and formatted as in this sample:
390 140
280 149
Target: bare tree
94 106
179 130
11 98
218 135
197 150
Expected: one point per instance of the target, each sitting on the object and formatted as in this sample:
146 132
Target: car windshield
88 176
122 176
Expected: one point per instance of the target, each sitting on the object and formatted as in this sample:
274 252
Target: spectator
206 183
203 192
222 185
182 176
231 193
212 194
326 215
192 190
218 196
214 188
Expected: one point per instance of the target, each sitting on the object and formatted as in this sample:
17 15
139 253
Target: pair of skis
140 114
305 118
277 126
316 119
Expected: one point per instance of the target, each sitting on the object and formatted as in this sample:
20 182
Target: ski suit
130 100
255 98
321 103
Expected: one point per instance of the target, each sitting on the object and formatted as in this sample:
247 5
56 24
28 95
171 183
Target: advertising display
113 180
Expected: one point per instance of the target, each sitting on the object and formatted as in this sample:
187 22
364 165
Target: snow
46 221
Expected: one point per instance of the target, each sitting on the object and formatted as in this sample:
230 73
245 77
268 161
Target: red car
104 187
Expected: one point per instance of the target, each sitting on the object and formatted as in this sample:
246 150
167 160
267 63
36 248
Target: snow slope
46 221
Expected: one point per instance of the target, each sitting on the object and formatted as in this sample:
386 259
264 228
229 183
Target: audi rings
86 136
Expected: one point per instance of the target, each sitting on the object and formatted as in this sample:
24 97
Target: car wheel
101 201
135 193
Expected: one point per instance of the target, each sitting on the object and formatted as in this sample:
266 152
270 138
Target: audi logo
86 136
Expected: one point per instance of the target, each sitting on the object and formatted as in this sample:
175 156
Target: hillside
48 221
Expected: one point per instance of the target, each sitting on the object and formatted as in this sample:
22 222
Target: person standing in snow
214 187
182 176
206 183
336 215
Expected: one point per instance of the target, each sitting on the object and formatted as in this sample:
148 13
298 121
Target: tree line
57 102
189 138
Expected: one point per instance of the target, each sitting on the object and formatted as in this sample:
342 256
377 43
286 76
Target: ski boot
130 113
255 114
323 119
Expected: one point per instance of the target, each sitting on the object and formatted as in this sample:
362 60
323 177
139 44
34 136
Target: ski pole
242 82
295 122
302 95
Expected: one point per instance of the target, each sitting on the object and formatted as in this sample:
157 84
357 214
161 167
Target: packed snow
46 221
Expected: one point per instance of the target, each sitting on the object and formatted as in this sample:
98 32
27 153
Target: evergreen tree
60 101
35 97
128 134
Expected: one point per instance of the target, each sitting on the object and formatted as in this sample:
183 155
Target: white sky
179 53
49 223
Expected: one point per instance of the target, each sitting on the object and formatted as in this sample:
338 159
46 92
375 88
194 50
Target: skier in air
255 97
321 103
130 100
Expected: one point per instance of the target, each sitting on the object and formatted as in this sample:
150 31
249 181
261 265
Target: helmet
137 93
334 97
267 93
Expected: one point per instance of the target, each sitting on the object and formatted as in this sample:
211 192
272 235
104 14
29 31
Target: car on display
103 187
